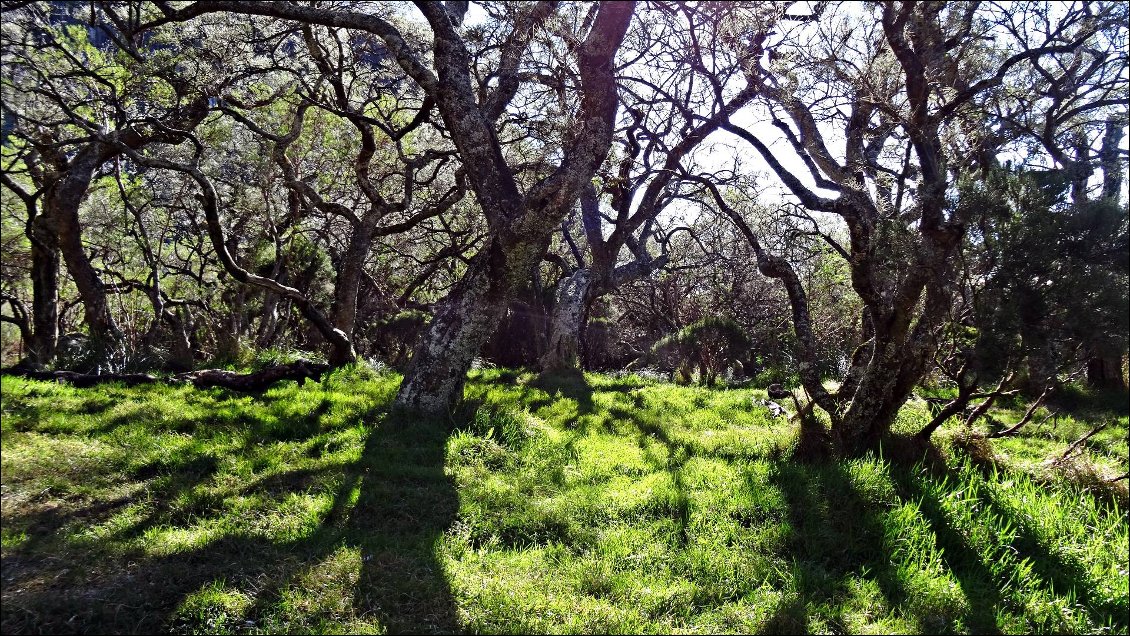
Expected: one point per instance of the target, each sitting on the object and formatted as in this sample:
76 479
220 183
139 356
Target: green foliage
711 344
834 308
1054 274
775 375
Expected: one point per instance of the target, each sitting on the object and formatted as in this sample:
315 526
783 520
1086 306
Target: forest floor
604 504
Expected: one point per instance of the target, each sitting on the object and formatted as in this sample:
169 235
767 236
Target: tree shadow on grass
169 477
836 532
836 535
570 385
959 556
677 454
1065 577
169 484
392 507
406 503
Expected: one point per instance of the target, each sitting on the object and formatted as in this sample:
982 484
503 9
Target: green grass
555 505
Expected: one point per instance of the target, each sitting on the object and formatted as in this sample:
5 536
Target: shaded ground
591 504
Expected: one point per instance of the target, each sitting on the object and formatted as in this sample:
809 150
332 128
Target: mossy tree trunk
520 224
564 347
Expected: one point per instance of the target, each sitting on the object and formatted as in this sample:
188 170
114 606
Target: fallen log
255 382
258 381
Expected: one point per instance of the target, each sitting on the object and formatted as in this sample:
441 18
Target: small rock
776 410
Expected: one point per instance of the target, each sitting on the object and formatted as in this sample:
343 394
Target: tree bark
576 293
873 405
433 381
258 381
344 310
61 207
45 292
563 350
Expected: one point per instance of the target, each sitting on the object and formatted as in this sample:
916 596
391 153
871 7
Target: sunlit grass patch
1034 587
215 608
578 504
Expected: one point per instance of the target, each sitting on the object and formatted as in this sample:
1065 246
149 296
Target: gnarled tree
916 94
520 222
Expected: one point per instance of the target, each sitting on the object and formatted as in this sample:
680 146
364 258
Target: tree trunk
45 292
272 304
61 207
299 371
900 354
433 381
564 347
873 405
256 382
269 323
228 344
180 352
519 338
1105 372
344 310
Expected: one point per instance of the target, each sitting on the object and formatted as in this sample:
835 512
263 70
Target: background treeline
938 199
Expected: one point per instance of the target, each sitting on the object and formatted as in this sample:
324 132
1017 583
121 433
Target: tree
81 87
913 90
384 164
520 222
667 116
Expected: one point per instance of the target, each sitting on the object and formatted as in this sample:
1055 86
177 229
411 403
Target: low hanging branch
966 394
256 382
1027 414
1079 442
